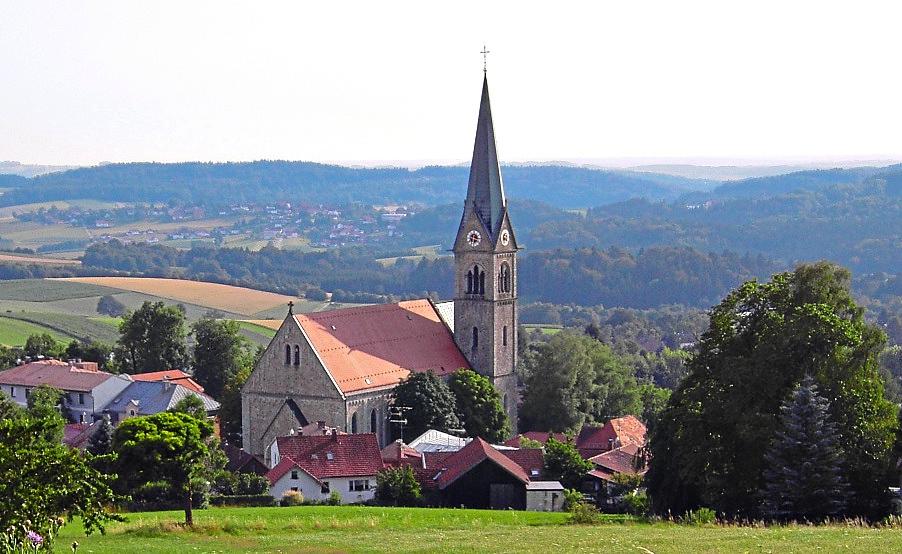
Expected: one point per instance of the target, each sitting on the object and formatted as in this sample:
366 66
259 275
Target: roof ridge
383 341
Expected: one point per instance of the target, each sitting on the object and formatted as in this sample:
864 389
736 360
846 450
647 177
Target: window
504 278
297 355
359 485
470 282
482 282
295 489
81 398
27 393
12 391
373 421
294 474
287 354
354 423
325 488
504 336
475 338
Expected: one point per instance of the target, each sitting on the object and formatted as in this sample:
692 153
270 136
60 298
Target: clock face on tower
474 238
505 237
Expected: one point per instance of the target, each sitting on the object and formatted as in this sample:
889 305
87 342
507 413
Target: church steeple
485 191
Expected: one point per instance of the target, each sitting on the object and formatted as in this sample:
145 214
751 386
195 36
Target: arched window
504 278
287 354
504 336
297 355
482 282
354 423
469 282
475 338
373 422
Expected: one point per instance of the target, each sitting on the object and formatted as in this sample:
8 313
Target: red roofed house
617 432
175 376
318 465
340 366
86 390
538 436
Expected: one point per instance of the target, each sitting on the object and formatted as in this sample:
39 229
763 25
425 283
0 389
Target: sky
399 82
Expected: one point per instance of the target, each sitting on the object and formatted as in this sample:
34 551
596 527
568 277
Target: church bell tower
485 262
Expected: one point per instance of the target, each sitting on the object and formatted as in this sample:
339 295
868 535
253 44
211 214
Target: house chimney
335 434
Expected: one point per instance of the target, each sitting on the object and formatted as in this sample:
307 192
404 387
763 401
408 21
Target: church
340 366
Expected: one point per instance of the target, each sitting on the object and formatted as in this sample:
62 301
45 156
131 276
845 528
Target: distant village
283 224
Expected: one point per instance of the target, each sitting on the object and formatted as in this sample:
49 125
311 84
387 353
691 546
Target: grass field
25 259
45 290
546 329
14 332
211 295
365 529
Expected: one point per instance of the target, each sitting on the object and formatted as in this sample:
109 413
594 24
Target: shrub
334 499
584 513
252 484
397 487
701 516
292 498
572 498
636 503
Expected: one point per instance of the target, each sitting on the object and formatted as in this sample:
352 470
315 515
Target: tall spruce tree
803 477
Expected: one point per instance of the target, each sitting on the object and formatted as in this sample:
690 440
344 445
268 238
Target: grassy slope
14 332
359 529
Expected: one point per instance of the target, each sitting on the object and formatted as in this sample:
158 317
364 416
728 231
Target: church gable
472 222
506 241
290 367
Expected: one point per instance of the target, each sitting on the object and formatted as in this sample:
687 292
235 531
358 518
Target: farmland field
212 295
43 290
24 259
371 529
14 332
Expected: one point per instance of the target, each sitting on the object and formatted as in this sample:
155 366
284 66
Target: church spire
485 190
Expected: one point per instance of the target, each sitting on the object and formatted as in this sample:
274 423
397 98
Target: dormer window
330 456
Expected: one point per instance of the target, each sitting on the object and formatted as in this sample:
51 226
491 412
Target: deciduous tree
708 447
479 406
152 338
431 404
563 463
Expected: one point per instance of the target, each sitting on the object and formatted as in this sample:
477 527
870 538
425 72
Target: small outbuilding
544 496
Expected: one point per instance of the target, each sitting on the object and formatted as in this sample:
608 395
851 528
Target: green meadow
373 529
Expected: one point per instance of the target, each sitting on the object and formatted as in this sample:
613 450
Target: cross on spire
485 53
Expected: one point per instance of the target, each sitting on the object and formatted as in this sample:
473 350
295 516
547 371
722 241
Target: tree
101 441
91 352
8 356
152 338
654 400
42 345
109 305
397 486
42 480
707 448
431 404
251 484
44 403
192 405
217 357
479 406
168 447
563 463
573 379
803 466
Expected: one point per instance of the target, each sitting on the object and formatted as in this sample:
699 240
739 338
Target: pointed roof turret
485 189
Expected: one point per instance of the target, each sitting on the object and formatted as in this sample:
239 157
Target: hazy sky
84 82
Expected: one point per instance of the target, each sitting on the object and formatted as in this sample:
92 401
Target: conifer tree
803 477
101 441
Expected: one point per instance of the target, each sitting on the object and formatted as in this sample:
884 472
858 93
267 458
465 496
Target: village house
318 465
142 398
86 390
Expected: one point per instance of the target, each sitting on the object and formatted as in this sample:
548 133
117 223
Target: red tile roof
477 451
532 460
76 435
176 376
334 455
55 373
378 346
619 460
285 465
397 451
619 431
538 436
